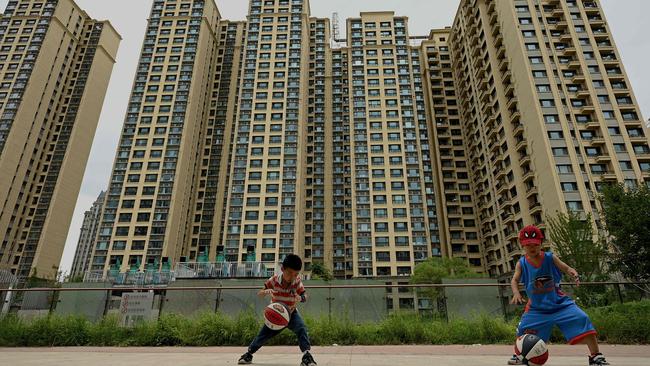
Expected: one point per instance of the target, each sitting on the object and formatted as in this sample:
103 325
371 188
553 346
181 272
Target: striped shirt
285 293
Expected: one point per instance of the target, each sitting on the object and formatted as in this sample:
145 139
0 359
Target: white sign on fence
136 307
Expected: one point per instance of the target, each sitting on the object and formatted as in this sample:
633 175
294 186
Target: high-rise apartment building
87 237
459 228
245 141
394 217
547 113
55 64
148 213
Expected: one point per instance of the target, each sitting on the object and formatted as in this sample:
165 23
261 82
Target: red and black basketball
276 316
531 349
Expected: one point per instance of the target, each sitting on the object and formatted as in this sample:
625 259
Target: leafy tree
319 271
573 242
627 219
434 269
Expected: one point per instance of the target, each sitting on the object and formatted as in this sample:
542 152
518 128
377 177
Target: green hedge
622 324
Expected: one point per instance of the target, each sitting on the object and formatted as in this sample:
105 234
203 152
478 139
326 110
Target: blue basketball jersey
542 285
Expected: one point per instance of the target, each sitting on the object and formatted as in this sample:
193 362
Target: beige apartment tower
87 237
547 113
55 64
245 141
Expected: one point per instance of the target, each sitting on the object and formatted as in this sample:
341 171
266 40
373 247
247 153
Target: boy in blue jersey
540 273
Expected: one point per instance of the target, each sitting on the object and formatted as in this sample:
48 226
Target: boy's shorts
572 321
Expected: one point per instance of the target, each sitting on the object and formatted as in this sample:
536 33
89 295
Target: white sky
627 20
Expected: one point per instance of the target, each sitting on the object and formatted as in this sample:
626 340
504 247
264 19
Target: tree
627 219
434 269
573 242
319 271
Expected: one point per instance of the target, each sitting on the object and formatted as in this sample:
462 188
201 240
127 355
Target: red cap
531 235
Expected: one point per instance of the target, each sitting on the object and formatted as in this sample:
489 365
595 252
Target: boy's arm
566 268
514 285
268 288
302 292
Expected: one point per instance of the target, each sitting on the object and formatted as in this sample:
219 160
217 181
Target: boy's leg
263 336
577 328
297 325
539 324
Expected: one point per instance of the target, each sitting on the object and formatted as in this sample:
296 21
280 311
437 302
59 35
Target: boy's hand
264 293
574 274
517 299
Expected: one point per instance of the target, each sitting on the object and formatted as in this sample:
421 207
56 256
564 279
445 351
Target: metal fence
184 270
355 300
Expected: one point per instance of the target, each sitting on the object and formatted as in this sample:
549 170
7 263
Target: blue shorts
572 321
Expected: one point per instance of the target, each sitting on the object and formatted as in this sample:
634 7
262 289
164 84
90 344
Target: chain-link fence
355 300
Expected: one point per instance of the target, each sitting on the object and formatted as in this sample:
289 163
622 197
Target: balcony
574 65
535 207
597 141
528 175
603 158
518 129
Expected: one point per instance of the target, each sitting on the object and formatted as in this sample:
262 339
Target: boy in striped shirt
285 288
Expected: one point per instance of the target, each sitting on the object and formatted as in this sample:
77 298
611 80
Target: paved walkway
476 355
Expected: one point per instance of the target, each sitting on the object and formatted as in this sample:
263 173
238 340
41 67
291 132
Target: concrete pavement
476 355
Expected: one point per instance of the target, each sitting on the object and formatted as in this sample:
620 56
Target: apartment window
271 201
560 151
547 103
626 165
539 74
564 169
544 88
587 135
620 148
574 205
555 135
532 46
569 187
598 168
614 131
609 115
552 118
400 226
381 227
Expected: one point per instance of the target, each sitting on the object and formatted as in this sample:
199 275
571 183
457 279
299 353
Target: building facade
87 236
51 53
245 141
547 112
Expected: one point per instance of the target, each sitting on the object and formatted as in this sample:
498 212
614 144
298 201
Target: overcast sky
627 20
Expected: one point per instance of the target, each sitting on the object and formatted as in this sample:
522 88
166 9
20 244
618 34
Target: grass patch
622 324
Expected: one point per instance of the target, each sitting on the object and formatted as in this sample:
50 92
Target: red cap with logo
531 235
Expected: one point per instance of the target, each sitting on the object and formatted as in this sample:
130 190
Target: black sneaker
516 360
307 360
598 360
245 359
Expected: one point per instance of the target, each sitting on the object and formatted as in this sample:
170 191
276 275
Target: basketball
276 316
531 349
